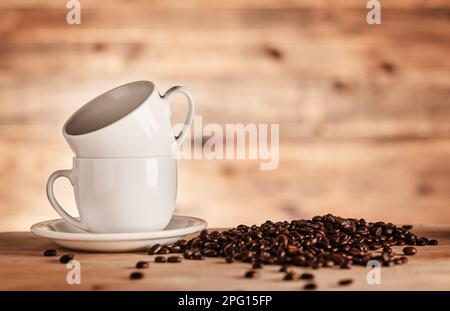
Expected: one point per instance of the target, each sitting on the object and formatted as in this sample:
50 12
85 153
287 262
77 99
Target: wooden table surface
22 267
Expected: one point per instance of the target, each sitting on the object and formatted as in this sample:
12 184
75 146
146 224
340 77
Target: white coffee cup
132 120
120 194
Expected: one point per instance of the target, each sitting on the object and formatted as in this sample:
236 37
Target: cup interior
108 108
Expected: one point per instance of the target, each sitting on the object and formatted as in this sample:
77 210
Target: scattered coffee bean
401 260
310 286
66 258
174 259
407 227
251 274
409 251
136 275
154 249
50 253
160 259
433 242
229 260
257 265
306 276
289 276
284 269
345 282
198 256
163 250
142 265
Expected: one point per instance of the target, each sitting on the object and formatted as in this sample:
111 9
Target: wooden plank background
364 111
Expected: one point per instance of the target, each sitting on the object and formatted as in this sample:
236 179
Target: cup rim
86 105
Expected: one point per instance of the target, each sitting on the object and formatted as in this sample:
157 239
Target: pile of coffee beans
322 242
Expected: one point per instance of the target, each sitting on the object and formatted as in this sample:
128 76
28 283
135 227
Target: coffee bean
154 249
66 258
407 227
198 256
50 253
251 274
136 275
210 253
142 265
310 286
160 259
409 250
306 276
324 241
345 282
387 250
401 260
174 259
163 250
289 276
188 254
175 249
257 265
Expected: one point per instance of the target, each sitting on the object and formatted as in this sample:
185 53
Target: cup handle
187 123
51 197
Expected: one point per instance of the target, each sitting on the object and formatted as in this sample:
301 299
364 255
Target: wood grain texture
22 264
363 110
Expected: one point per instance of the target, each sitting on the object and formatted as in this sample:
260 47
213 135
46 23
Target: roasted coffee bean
142 265
136 275
257 265
324 241
289 276
387 250
401 260
284 269
407 227
198 256
251 274
188 254
310 286
306 276
160 259
409 251
154 249
66 258
345 282
163 250
175 249
210 253
50 253
174 259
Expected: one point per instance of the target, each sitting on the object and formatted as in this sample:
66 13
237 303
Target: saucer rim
38 229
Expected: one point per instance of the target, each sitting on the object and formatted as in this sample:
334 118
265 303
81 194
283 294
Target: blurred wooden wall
364 111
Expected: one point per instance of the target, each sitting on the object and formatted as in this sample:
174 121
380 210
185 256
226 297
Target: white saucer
66 235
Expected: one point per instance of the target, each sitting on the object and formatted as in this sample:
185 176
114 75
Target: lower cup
117 195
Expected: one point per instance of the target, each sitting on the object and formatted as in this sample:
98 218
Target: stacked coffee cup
124 171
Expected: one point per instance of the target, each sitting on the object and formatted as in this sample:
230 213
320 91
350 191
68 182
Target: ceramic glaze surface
120 195
132 120
66 235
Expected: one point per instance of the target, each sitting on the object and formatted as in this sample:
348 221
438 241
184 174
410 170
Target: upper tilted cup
132 120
